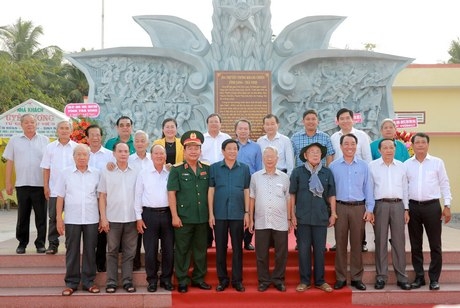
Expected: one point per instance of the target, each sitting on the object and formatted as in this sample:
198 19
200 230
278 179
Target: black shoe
339 284
152 287
41 249
333 248
418 282
434 285
167 286
358 284
364 248
20 250
280 287
296 247
222 286
403 285
202 285
249 247
52 250
182 288
380 284
262 287
238 286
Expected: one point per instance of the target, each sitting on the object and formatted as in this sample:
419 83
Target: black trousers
426 216
159 227
31 197
236 230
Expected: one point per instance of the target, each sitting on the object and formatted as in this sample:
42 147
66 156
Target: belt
389 200
156 209
352 202
423 202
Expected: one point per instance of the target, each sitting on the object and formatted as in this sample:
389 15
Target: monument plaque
242 94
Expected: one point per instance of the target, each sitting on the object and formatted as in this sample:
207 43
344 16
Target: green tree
454 51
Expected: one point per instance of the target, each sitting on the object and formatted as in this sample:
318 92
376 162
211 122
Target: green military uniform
192 208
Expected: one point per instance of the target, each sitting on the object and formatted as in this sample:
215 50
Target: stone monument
288 74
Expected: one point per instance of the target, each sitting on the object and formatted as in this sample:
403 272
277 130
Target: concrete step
392 295
38 297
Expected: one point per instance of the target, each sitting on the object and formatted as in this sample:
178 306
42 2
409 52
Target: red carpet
272 297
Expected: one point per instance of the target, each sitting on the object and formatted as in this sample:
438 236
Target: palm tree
20 42
454 51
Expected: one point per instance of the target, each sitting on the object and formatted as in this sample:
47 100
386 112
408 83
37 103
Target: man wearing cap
355 206
187 198
312 191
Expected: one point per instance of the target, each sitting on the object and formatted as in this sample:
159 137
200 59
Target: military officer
187 197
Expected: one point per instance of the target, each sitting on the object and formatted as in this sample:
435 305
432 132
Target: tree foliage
28 71
454 51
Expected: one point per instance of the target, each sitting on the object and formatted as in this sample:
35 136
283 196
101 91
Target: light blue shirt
250 154
353 182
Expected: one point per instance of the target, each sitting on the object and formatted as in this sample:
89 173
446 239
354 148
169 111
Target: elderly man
77 185
312 190
228 202
124 130
388 131
428 181
187 198
270 215
118 219
355 206
25 152
154 219
58 155
391 210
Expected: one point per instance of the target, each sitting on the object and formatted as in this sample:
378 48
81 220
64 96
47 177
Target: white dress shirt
285 152
140 163
57 157
79 190
390 181
211 149
151 189
428 179
100 158
363 149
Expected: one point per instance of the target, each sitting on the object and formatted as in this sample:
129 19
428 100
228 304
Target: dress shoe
182 288
418 282
380 284
52 250
262 287
434 285
20 250
238 286
202 285
339 284
41 249
333 248
280 287
222 286
358 284
152 287
296 247
364 248
101 269
167 286
403 285
249 247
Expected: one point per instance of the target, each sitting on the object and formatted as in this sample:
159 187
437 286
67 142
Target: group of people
187 192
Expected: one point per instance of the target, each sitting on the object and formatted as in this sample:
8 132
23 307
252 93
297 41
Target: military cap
192 136
305 148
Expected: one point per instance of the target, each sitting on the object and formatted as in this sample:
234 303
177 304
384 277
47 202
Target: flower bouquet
405 137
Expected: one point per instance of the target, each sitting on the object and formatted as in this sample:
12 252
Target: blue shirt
250 154
229 185
353 182
401 152
300 139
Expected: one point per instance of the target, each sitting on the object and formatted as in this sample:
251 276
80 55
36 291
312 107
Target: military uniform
192 208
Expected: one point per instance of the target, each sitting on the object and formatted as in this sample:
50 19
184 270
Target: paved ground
8 242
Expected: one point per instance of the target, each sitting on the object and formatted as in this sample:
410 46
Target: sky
419 29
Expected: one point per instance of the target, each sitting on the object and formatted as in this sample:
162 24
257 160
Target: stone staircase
34 280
